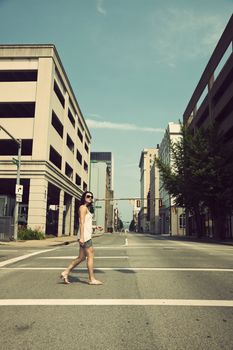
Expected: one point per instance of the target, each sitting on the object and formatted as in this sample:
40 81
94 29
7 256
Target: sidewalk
47 242
198 240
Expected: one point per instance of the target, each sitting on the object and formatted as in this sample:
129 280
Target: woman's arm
82 214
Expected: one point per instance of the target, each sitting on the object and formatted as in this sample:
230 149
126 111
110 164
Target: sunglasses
89 196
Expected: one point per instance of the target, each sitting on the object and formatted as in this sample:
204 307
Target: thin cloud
100 7
184 35
94 115
94 124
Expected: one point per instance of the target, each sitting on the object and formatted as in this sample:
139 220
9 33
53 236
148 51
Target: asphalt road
157 294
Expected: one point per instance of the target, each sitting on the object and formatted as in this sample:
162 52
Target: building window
57 124
69 171
17 109
84 186
85 166
55 157
59 78
182 220
18 75
86 148
81 124
70 143
79 157
59 94
88 141
71 118
71 103
80 135
78 180
10 148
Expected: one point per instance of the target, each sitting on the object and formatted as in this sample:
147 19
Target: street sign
98 207
19 198
19 189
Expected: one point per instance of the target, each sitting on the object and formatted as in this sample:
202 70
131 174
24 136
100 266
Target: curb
50 244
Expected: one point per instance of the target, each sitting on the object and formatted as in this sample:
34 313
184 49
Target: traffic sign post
19 198
19 189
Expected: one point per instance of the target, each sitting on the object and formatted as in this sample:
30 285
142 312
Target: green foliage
28 233
132 226
201 172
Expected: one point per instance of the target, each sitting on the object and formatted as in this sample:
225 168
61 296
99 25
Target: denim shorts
87 244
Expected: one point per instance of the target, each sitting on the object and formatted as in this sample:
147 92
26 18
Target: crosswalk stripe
22 257
73 257
125 269
117 302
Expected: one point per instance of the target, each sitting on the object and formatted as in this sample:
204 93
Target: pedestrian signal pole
18 188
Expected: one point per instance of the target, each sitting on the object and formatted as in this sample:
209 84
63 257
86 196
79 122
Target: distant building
171 216
154 197
106 157
38 105
136 210
101 184
212 101
145 164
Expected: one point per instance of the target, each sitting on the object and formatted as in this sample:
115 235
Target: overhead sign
19 189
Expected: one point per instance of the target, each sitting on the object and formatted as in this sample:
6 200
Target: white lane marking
8 250
125 268
73 257
22 257
118 302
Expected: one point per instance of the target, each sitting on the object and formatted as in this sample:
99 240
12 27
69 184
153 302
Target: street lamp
19 189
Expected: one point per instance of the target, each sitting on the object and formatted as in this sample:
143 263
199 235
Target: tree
132 226
200 175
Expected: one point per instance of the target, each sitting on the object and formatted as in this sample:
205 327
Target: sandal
95 283
64 276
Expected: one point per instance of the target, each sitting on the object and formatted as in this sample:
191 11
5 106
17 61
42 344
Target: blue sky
133 64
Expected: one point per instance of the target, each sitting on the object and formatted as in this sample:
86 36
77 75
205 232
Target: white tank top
87 227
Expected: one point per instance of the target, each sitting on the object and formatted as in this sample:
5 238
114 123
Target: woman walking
84 239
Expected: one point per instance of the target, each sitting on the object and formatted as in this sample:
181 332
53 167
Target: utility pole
18 188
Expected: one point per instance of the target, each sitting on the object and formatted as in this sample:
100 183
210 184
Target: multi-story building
212 101
171 216
145 164
38 105
154 196
106 157
136 210
100 185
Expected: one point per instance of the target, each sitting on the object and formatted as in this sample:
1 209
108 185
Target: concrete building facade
108 158
154 197
145 164
38 105
101 184
171 217
212 101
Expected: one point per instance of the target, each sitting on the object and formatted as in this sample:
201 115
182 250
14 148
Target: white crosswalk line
22 257
73 257
118 302
190 269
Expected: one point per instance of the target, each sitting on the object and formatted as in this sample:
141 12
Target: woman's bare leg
74 263
90 262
